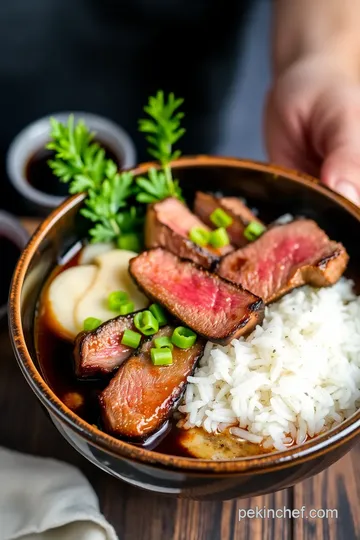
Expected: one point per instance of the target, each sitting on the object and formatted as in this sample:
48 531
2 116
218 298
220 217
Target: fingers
336 128
341 172
315 128
341 166
285 137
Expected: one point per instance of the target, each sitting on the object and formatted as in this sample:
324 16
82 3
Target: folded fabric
43 499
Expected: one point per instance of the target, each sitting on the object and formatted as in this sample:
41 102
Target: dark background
107 56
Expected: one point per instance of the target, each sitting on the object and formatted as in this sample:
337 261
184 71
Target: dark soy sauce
9 253
55 357
56 362
40 176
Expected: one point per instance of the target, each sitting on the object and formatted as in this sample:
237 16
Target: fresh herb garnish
220 218
82 163
131 339
163 128
103 205
146 323
219 238
91 323
156 187
199 236
161 357
253 230
78 160
112 196
183 337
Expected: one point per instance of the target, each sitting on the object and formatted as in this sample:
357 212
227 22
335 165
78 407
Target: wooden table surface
139 515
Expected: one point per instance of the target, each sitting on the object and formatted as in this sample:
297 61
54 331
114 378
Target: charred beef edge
213 260
322 263
219 201
90 373
258 305
172 405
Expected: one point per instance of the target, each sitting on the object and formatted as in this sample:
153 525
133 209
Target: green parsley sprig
82 163
163 128
104 208
112 196
78 160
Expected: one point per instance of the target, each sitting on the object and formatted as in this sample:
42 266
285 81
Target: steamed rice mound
294 377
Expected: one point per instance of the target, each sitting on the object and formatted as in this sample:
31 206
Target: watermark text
262 512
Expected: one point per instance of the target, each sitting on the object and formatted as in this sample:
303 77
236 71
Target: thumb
341 171
340 133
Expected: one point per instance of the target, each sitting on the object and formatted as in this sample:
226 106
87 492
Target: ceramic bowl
36 135
274 191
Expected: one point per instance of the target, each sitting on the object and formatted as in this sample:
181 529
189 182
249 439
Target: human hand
312 124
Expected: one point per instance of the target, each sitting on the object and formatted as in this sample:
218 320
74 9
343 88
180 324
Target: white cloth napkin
43 499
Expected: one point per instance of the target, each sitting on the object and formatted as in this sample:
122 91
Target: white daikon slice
62 296
91 251
113 275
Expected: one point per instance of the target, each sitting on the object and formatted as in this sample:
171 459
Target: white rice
295 376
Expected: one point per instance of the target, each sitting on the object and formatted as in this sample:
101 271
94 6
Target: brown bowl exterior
274 191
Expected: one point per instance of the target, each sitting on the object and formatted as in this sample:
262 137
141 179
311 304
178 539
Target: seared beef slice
211 306
168 224
285 257
100 351
205 204
141 396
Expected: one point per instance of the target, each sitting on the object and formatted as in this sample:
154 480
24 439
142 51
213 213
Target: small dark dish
274 191
26 160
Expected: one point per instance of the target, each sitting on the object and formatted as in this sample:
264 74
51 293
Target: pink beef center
286 256
190 288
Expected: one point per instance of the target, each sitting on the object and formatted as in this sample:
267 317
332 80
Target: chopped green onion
127 308
130 242
219 238
131 339
199 236
116 299
161 357
184 338
254 230
91 323
146 323
163 341
158 313
220 218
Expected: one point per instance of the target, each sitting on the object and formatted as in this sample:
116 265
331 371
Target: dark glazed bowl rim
330 440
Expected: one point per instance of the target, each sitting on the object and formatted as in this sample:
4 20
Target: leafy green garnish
103 206
83 164
112 195
156 187
163 128
78 160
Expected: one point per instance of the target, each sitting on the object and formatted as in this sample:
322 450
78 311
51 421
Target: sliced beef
100 351
211 306
141 396
241 215
168 224
285 257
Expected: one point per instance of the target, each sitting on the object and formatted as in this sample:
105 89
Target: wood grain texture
137 514
335 489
